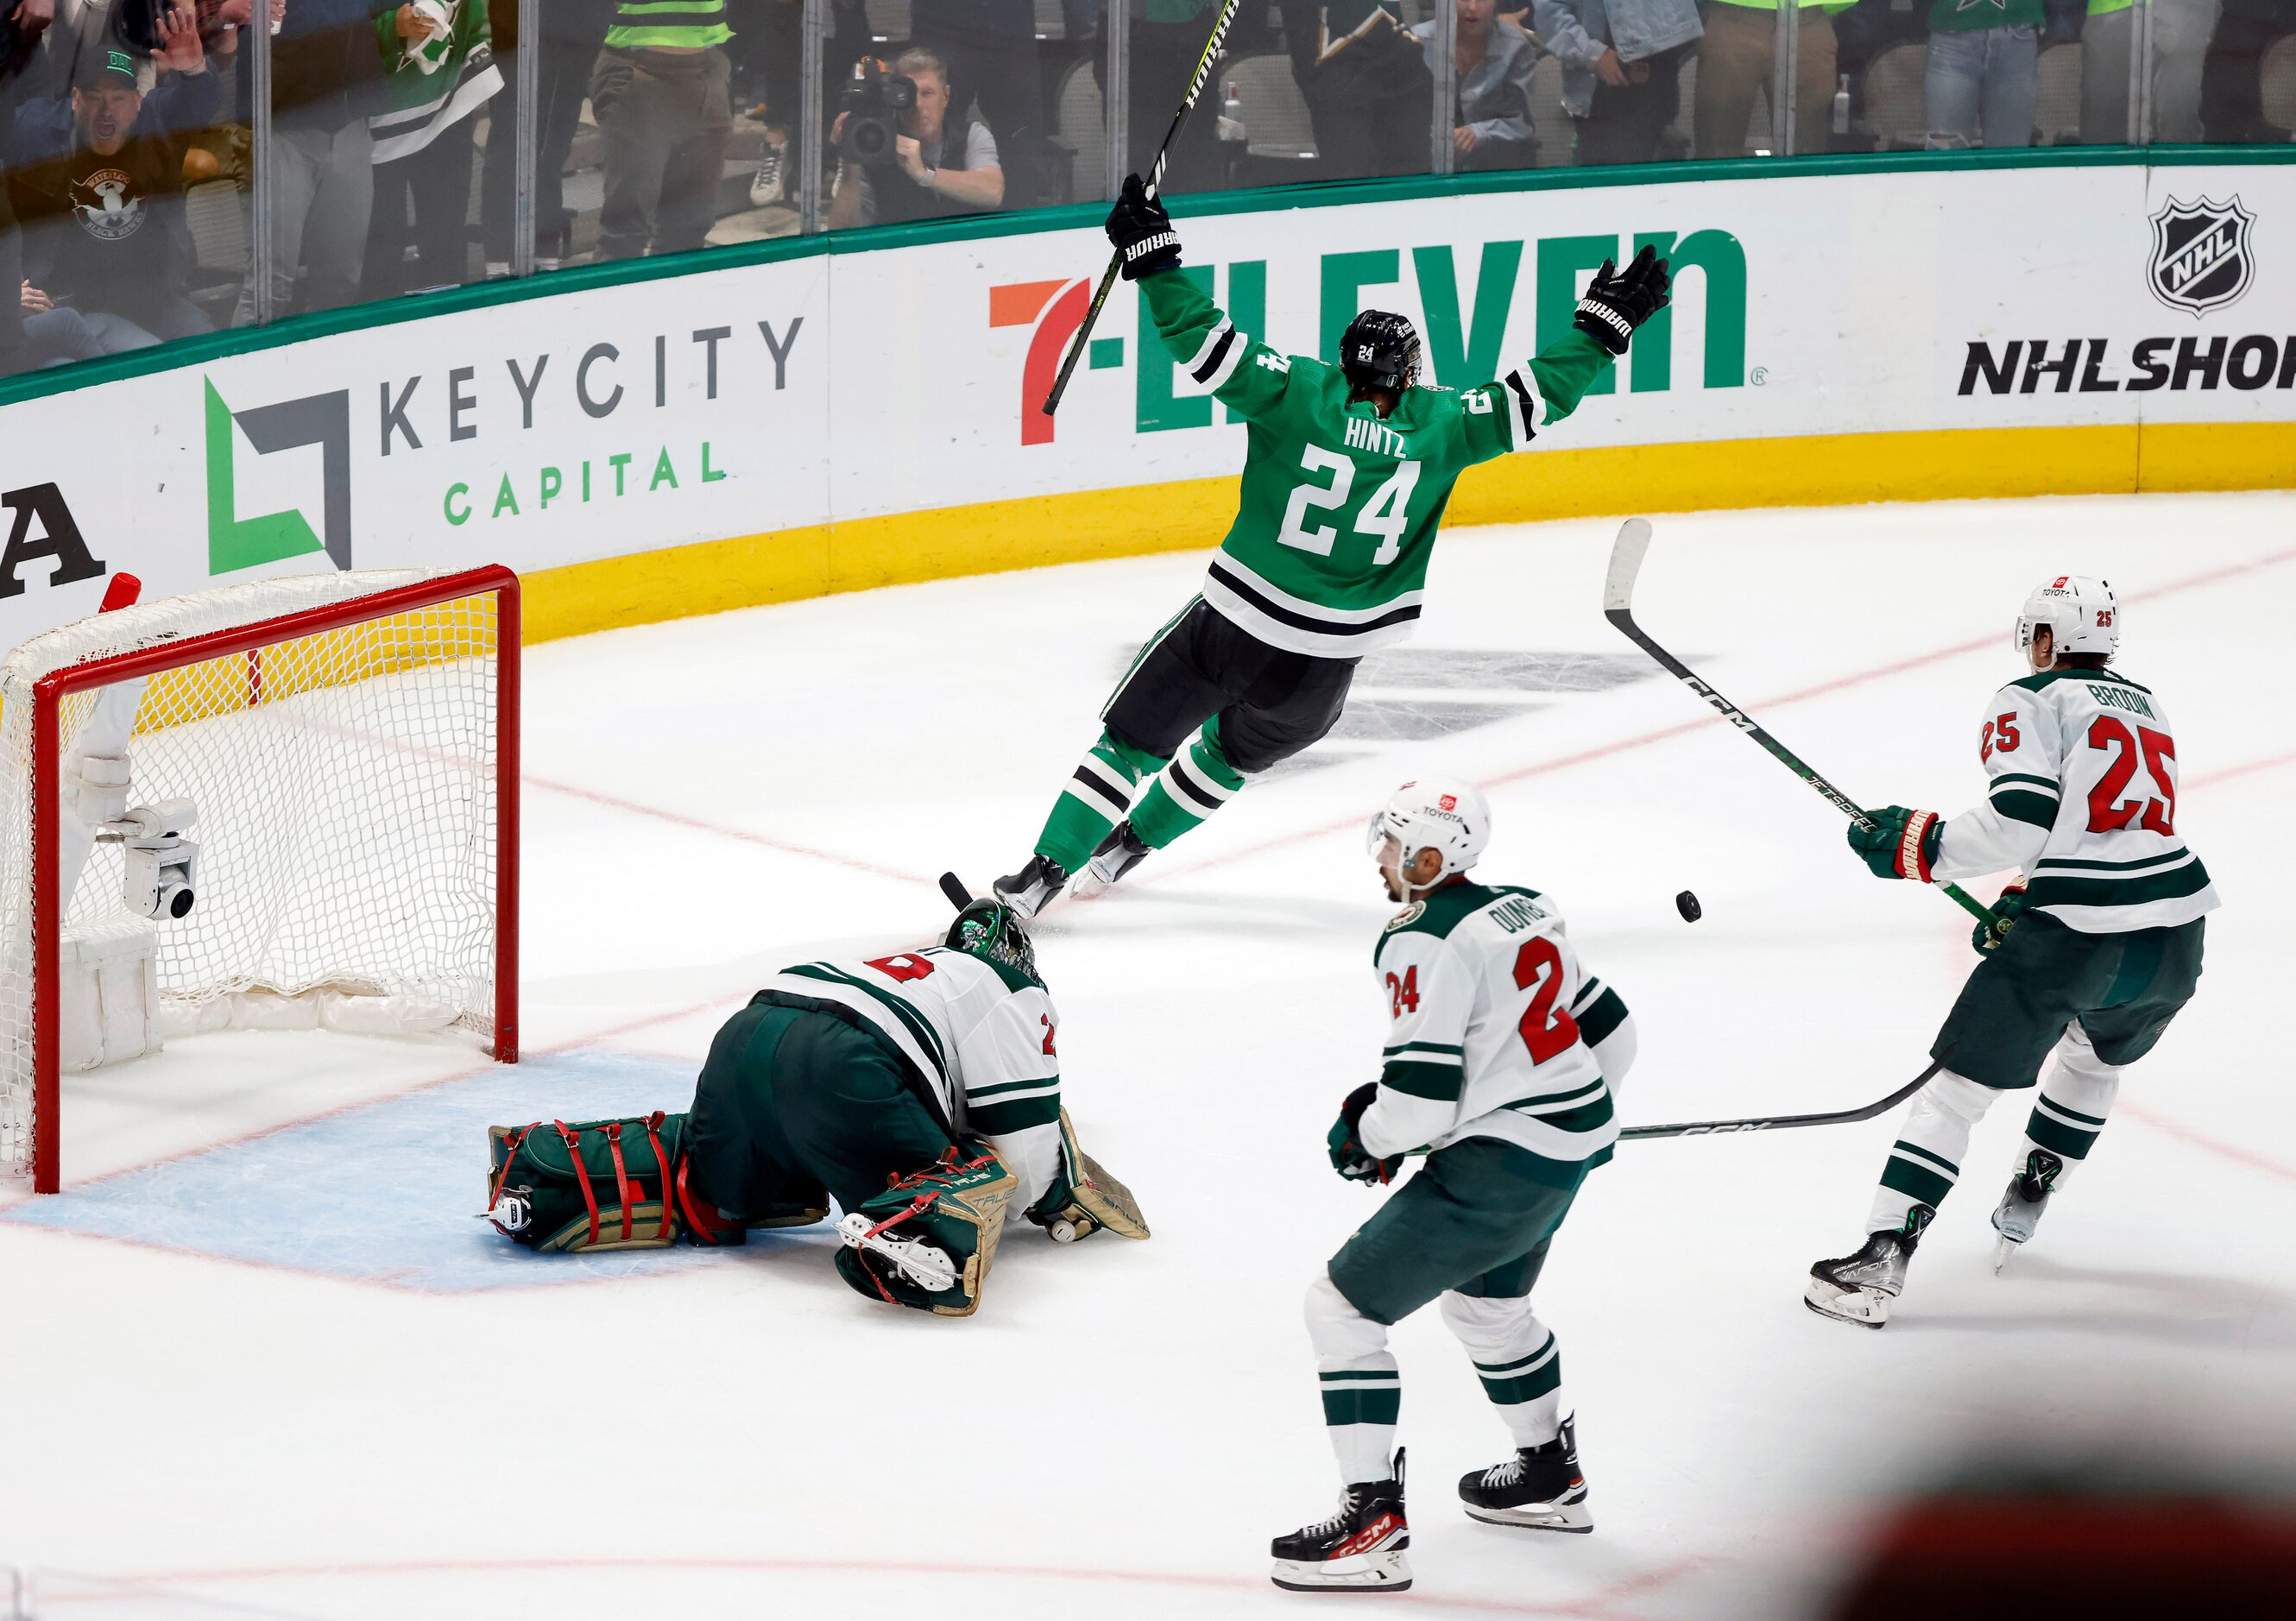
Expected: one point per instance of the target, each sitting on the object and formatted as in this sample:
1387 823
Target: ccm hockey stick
1196 83
1618 607
1707 1128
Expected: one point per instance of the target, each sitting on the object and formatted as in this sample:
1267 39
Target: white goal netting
344 779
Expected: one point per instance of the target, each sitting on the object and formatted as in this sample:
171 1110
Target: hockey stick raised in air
1196 83
1618 607
1706 1128
952 887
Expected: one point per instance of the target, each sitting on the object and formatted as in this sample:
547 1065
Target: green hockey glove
1143 232
1347 1156
1989 935
1901 844
1618 301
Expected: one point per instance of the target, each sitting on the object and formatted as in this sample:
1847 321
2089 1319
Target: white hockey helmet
1446 814
2082 614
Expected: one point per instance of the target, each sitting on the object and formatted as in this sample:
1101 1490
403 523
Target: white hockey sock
1362 1389
1925 1161
1516 1358
2074 1101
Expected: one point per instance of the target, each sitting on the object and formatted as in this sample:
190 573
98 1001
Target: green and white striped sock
1095 797
1528 1391
1198 781
1924 1163
2071 1109
1361 1397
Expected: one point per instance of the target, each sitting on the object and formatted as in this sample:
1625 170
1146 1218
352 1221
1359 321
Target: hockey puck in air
1687 905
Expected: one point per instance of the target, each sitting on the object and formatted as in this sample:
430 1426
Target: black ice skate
1540 1488
1116 854
1858 1288
1358 1550
1031 889
2019 1210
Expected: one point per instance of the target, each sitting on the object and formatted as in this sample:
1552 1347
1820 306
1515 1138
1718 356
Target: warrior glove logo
2201 255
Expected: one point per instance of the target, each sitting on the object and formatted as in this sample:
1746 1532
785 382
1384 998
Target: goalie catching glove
1092 1200
1348 1158
1900 843
1143 232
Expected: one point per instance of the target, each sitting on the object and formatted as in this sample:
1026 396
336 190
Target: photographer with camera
896 159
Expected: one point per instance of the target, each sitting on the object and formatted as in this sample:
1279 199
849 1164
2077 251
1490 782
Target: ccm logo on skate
1369 1538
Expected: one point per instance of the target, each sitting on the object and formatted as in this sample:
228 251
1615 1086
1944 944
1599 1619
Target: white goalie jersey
1496 1030
979 1035
2081 797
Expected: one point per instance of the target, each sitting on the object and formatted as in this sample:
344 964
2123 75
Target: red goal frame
48 695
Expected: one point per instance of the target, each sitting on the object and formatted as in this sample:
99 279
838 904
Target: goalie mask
992 931
1444 814
1380 350
2082 614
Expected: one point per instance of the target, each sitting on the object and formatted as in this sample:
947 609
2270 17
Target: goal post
342 749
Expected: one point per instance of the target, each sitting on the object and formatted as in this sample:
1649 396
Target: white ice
1122 1427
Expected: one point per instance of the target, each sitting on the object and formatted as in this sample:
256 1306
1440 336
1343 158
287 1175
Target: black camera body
874 104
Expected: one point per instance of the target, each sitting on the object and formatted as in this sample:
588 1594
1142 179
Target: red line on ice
2211 779
1422 1600
2201 1140
678 819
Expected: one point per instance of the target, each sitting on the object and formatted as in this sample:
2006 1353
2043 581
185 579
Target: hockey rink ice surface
260 1359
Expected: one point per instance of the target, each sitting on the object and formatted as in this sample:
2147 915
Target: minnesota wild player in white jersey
1501 1059
2090 957
922 1091
1345 479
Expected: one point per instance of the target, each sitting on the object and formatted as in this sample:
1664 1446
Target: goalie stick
1202 75
1618 607
1706 1128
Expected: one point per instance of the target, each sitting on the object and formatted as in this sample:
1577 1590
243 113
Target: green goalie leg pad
1097 795
955 1210
1197 782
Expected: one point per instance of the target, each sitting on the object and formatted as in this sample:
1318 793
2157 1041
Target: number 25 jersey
2082 795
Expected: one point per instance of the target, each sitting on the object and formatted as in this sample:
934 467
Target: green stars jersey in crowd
1328 552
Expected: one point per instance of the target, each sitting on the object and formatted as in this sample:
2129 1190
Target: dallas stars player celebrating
1344 482
922 1091
1500 1063
2104 949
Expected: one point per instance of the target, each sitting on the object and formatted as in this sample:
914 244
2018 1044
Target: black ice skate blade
1818 1311
1496 1517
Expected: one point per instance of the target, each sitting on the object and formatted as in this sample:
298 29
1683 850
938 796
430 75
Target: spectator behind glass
96 178
570 32
660 93
1168 41
326 78
1365 80
2181 31
1734 62
440 65
1984 75
928 176
988 52
1621 68
1490 112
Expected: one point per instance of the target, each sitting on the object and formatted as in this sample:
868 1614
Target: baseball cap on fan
101 68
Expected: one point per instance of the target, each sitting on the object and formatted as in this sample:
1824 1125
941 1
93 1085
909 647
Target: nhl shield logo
2203 259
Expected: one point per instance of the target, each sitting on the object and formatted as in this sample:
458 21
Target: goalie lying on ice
921 1090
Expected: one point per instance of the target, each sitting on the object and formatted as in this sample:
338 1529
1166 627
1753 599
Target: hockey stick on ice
1196 83
1705 1128
1618 607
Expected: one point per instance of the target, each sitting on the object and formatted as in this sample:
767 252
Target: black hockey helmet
1380 349
993 932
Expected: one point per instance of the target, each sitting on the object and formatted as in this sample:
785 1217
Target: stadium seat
2056 112
1895 109
2277 74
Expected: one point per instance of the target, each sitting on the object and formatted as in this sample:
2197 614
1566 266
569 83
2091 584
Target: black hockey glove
1143 232
1347 1156
1618 301
1901 844
1989 935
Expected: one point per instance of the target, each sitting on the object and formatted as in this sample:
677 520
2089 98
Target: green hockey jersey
1328 552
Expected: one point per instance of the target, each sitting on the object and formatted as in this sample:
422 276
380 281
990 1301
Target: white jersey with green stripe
1496 1030
980 1034
2081 796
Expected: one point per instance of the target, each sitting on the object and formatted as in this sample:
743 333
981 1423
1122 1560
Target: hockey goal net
342 751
